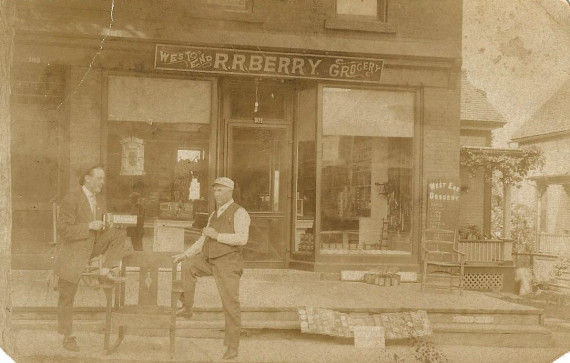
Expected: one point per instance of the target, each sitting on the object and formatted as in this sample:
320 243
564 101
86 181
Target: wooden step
181 324
492 335
563 288
289 314
485 318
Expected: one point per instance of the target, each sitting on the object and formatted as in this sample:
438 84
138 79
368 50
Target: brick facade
420 44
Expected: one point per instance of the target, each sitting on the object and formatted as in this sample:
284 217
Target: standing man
218 252
83 235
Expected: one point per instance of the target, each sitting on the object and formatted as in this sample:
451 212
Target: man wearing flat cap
83 235
218 252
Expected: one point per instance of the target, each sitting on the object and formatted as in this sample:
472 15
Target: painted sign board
443 204
257 63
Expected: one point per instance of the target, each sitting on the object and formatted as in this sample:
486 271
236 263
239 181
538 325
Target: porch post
506 211
7 14
507 242
539 191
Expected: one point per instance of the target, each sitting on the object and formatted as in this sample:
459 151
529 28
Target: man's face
222 194
95 180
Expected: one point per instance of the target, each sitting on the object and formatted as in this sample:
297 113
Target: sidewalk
275 290
44 346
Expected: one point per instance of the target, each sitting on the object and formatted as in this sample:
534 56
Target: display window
366 171
158 153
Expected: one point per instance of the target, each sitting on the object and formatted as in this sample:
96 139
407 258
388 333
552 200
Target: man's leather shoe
70 343
183 313
231 353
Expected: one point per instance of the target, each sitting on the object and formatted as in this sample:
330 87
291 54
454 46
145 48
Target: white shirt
92 201
239 238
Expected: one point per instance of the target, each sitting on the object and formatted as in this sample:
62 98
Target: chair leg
109 298
172 342
112 347
424 273
461 280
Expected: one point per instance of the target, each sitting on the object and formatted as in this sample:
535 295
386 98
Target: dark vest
222 224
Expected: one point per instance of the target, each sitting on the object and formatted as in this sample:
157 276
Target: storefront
330 150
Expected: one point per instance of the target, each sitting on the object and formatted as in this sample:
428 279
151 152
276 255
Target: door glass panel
259 165
257 162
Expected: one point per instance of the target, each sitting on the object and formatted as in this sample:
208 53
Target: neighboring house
489 261
549 129
478 119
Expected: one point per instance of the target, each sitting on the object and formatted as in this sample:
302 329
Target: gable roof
475 106
551 118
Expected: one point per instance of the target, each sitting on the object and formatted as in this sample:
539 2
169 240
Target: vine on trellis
513 168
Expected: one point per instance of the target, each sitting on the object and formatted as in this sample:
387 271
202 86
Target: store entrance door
258 159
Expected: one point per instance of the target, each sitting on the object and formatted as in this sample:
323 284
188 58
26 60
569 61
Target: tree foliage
513 168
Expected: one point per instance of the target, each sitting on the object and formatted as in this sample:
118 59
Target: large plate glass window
366 176
157 156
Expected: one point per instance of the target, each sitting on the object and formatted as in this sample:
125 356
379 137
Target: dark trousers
227 271
110 243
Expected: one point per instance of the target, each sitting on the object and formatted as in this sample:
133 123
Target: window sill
245 16
360 25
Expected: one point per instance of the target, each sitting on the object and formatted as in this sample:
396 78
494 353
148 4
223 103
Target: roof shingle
474 103
552 117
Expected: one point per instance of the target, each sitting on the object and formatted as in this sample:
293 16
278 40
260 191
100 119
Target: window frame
248 7
363 23
417 178
201 10
381 12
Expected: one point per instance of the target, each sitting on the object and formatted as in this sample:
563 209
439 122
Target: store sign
443 204
269 64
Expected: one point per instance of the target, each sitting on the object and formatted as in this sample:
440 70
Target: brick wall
441 133
85 118
422 28
437 20
440 137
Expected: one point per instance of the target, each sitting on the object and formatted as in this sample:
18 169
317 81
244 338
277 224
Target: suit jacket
76 241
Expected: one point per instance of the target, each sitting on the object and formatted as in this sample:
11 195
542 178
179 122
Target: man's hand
210 232
96 225
178 258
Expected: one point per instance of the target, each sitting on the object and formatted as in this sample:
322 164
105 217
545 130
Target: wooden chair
442 259
146 313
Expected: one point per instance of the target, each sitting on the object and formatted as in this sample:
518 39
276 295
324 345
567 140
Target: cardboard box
406 276
348 275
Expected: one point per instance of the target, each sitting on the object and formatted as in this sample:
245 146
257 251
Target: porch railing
554 243
486 251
